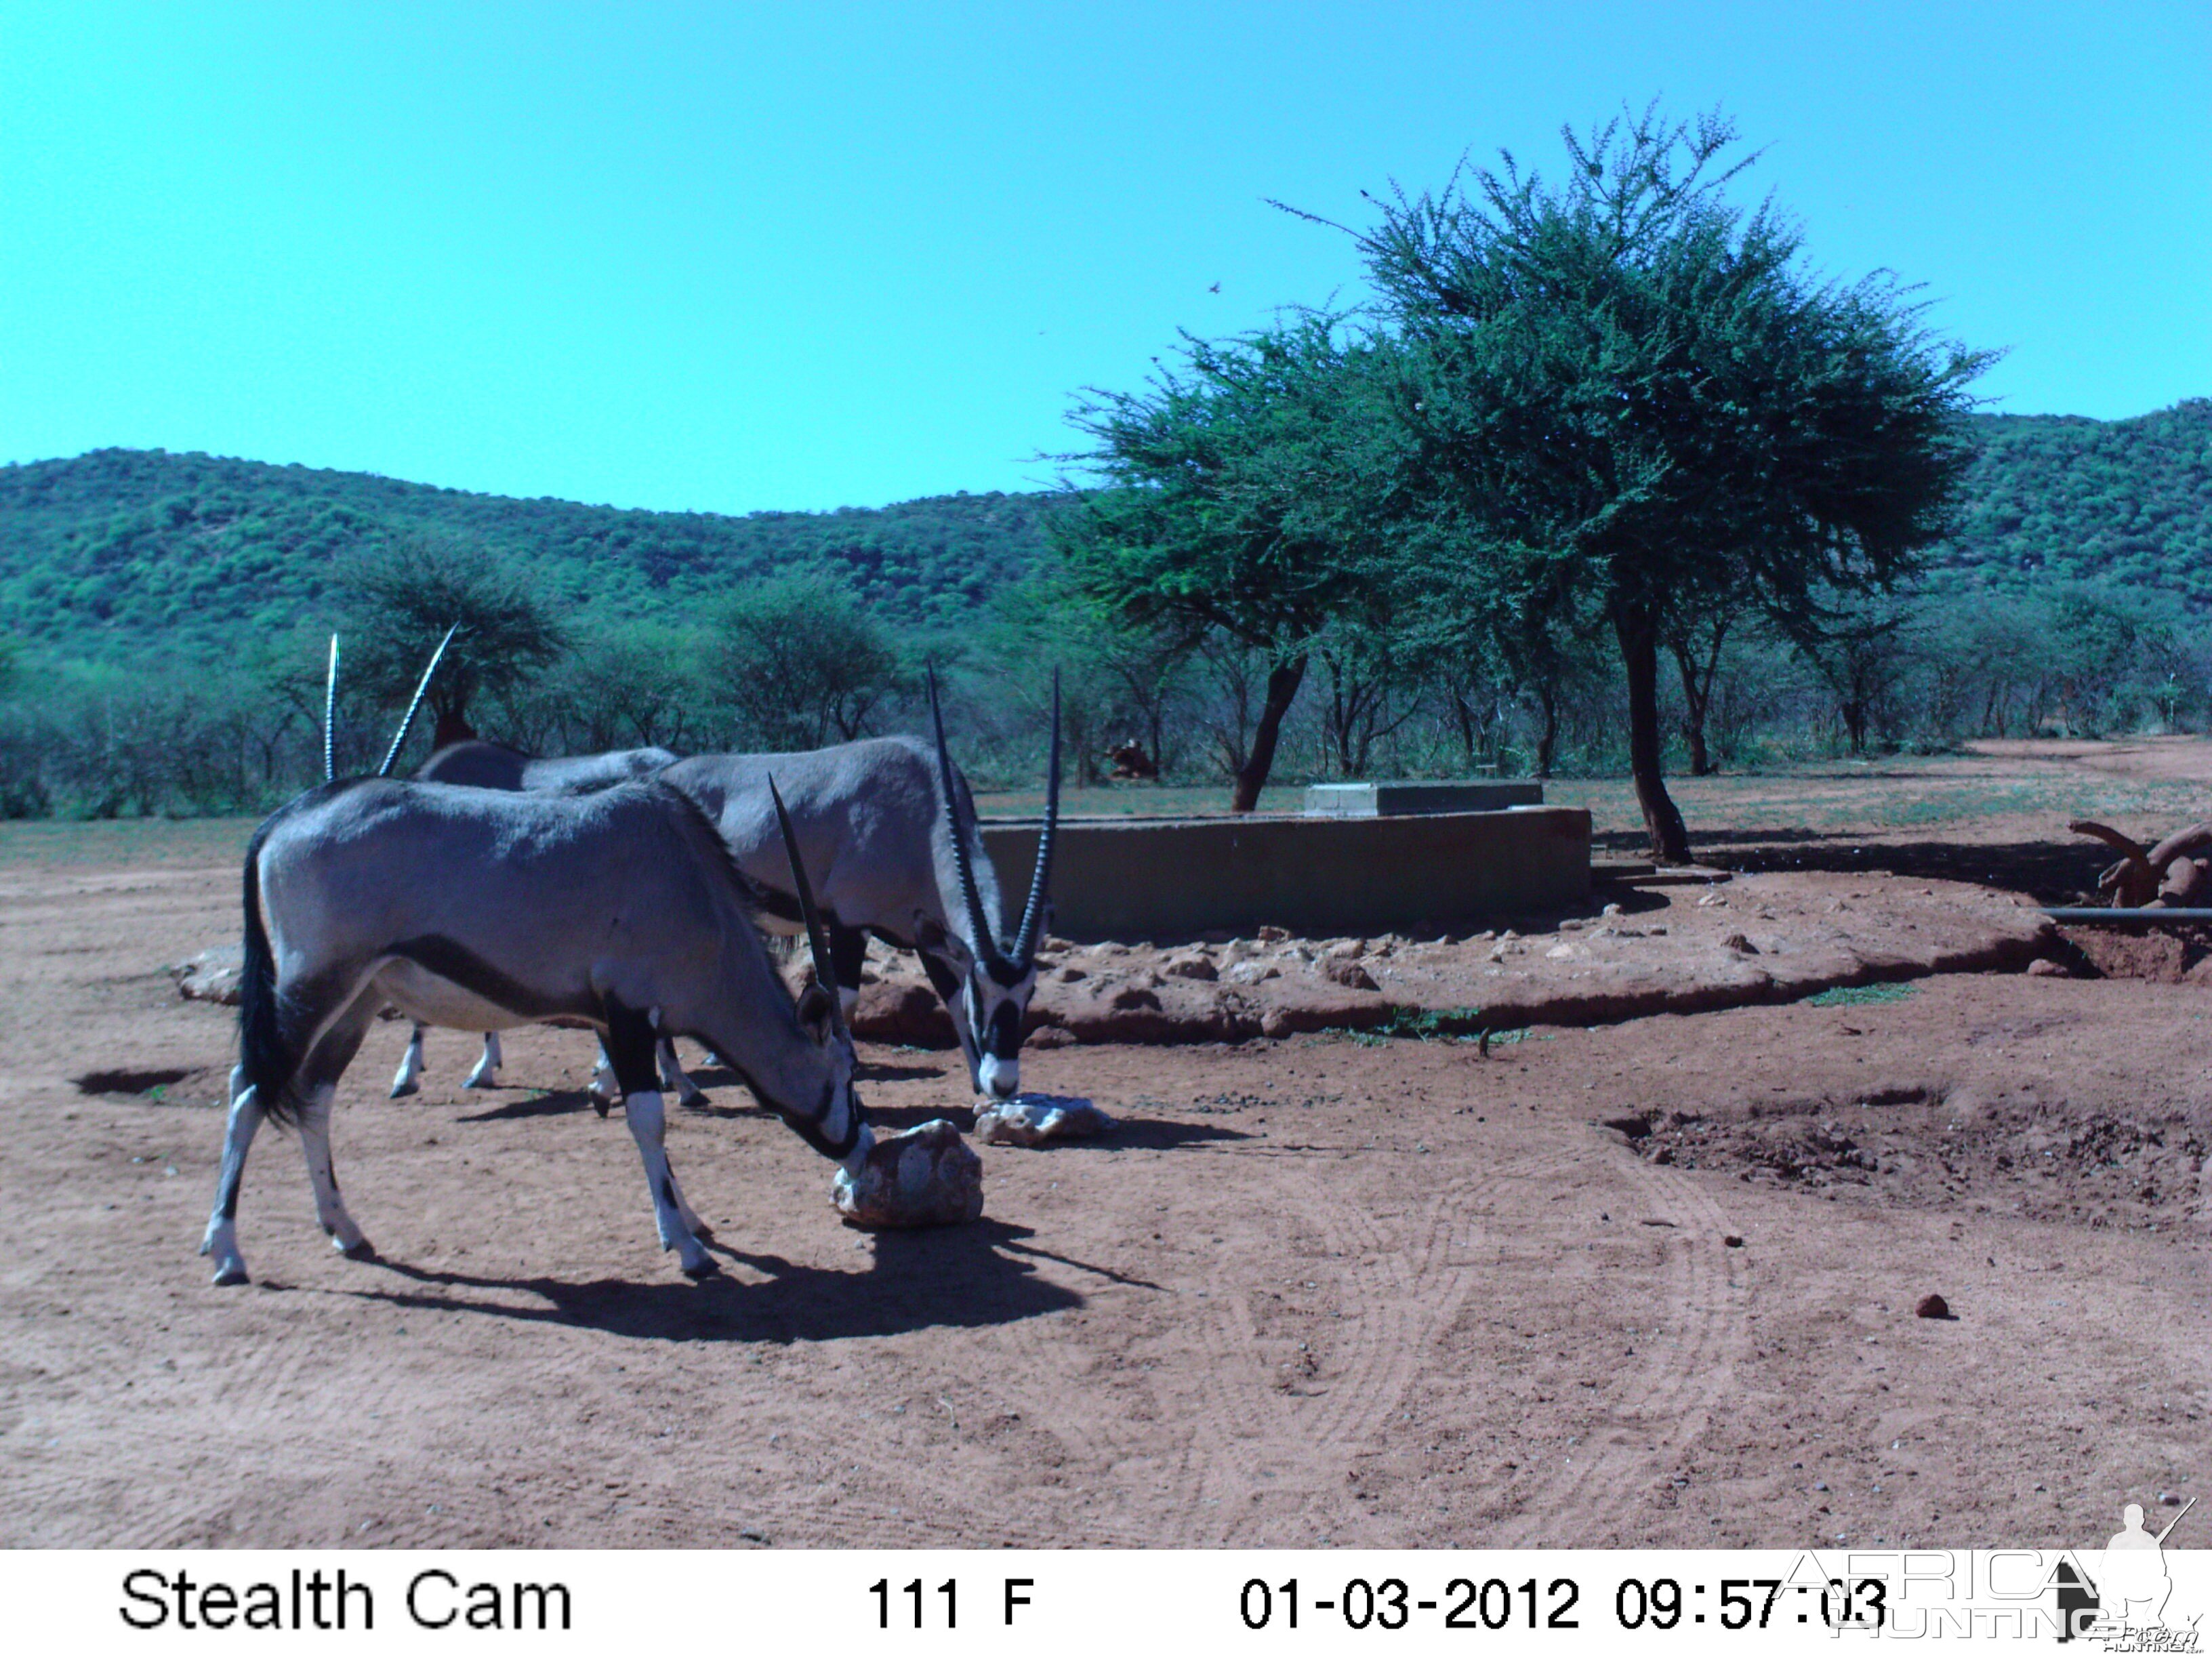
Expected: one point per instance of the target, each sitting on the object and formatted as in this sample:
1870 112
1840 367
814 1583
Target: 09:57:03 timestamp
1747 1601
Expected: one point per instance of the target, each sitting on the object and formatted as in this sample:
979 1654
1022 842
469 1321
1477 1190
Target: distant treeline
122 556
163 620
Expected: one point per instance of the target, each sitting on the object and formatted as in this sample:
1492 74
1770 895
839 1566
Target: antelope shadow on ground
951 1276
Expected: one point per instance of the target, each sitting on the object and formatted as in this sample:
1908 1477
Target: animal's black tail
264 1049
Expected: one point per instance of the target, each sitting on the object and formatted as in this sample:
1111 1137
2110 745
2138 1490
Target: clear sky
734 257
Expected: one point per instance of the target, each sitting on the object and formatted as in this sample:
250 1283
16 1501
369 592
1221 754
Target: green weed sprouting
1848 996
1423 1025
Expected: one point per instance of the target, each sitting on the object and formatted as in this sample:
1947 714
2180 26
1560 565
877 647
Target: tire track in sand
1662 1407
1402 1281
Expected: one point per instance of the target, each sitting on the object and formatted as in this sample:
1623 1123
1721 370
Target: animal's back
377 861
475 764
582 774
868 816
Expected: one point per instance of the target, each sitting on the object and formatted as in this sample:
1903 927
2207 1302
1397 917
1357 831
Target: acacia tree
399 601
1517 622
1240 500
1117 680
1625 374
1696 639
798 662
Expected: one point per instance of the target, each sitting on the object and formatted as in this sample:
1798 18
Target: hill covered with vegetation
2055 499
162 619
119 554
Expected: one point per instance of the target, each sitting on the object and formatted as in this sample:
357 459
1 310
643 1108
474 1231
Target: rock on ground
1634 952
212 976
1034 1120
927 1176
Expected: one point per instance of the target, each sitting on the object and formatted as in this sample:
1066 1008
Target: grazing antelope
888 829
494 766
483 910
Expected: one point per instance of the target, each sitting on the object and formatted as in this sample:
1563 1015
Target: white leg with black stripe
486 1075
672 1076
604 1083
221 1239
410 1074
648 1127
315 1145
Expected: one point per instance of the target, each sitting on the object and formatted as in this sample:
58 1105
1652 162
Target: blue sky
732 257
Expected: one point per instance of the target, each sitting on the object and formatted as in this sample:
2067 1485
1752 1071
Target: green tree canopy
1624 375
1240 496
798 662
399 601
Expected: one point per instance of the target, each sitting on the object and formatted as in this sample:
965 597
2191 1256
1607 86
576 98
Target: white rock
1032 1119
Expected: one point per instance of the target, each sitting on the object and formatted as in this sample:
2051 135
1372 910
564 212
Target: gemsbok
485 909
888 829
494 766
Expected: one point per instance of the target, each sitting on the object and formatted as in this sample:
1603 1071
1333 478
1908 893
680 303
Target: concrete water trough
1391 800
1318 877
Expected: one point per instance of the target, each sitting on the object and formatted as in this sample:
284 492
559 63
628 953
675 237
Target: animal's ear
928 934
816 1011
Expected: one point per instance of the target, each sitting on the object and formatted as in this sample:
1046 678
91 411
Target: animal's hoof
401 1091
694 1102
927 1177
359 1250
481 1080
232 1273
599 1106
708 1269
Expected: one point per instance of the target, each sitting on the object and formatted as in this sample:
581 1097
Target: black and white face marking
998 997
987 1000
840 1124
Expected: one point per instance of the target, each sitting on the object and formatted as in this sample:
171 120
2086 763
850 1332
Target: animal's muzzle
1003 1036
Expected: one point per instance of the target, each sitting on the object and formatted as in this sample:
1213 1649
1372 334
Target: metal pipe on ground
2097 915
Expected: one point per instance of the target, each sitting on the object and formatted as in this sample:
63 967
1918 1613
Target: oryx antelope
485 909
494 766
888 830
484 765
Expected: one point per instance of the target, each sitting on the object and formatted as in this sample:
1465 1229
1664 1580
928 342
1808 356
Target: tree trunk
1463 712
1282 682
1855 725
1547 699
1698 694
452 727
1693 712
1639 656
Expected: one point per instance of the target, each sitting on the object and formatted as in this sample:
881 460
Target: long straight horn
330 716
815 938
985 946
1025 941
399 738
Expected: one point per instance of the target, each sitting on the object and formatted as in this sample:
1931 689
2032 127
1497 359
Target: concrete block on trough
1392 800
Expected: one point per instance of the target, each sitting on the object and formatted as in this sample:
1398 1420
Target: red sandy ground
1367 1292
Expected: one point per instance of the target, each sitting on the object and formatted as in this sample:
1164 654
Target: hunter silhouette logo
2123 1607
